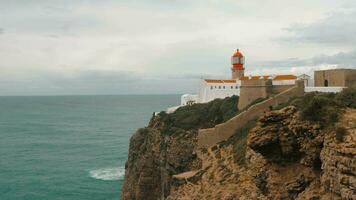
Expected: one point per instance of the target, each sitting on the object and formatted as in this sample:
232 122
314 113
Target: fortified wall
335 78
221 132
251 90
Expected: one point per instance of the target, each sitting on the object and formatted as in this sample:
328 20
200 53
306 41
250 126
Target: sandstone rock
339 161
286 158
154 157
297 186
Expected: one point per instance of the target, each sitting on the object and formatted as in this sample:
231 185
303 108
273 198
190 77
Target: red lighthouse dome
238 60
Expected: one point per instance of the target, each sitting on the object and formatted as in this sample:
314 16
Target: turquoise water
69 147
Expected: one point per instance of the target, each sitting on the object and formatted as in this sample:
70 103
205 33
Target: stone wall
221 132
335 78
251 90
237 73
276 89
350 78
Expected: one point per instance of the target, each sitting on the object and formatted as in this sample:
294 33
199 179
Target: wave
108 174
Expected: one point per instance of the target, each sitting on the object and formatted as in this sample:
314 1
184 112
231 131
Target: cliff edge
167 147
305 149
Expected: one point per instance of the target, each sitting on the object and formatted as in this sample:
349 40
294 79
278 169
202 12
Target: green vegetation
319 108
324 108
347 98
205 115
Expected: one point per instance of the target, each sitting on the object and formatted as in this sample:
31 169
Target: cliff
292 153
154 157
167 147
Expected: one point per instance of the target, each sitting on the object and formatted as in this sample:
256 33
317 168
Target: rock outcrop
339 160
155 155
282 157
290 149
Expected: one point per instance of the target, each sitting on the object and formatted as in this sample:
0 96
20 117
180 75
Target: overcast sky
55 47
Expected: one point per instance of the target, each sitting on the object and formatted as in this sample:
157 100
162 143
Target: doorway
326 83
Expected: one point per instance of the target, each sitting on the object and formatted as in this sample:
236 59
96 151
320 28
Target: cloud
329 41
306 66
342 59
339 29
125 46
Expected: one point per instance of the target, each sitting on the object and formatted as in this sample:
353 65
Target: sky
67 47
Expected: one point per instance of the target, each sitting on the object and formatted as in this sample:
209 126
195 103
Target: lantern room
238 60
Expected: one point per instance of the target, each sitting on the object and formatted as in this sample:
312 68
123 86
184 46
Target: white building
211 89
189 99
217 89
308 82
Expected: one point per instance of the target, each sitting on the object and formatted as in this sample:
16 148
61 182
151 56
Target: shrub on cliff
325 108
347 98
202 115
320 108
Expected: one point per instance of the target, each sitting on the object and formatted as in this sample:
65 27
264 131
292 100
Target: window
232 87
215 86
242 60
219 87
238 60
211 87
237 87
223 87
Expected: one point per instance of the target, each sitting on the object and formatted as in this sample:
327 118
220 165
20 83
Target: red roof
285 77
275 78
219 81
237 54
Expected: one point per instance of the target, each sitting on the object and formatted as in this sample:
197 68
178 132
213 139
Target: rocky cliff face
339 160
282 157
154 156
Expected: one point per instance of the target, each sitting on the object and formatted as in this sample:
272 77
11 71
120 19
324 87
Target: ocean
70 147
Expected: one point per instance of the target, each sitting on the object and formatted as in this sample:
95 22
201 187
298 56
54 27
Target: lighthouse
248 88
237 62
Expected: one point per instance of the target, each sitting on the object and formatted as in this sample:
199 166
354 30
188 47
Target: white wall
211 91
283 82
323 89
171 109
188 98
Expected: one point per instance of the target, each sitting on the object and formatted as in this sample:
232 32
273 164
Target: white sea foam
108 174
